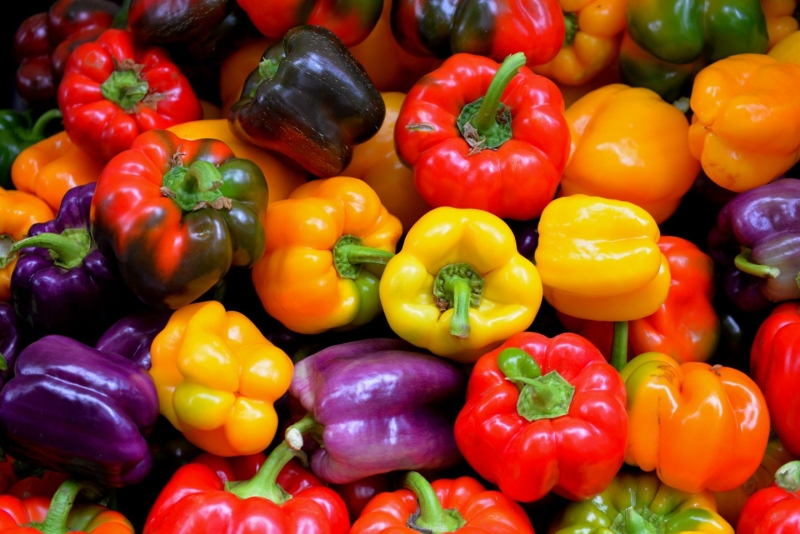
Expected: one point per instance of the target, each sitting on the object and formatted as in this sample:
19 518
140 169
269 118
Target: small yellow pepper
217 378
459 287
599 259
746 124
780 19
788 50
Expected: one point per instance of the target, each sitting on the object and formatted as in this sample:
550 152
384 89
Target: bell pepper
641 503
493 29
62 284
628 144
599 259
310 277
132 335
375 161
544 414
684 32
459 287
376 405
217 379
178 214
208 496
113 90
310 100
359 493
18 212
699 426
775 509
59 516
98 407
787 50
774 367
10 342
484 136
17 132
446 505
781 21
53 166
743 129
594 31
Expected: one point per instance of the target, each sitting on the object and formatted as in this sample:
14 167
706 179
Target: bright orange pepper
699 426
780 19
53 166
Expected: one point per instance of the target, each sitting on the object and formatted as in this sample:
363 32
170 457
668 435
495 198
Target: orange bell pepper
311 277
375 161
281 178
780 19
594 31
18 211
53 166
236 67
699 426
745 125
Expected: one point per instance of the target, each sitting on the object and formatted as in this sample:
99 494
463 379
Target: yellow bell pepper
628 144
599 259
787 50
780 19
311 277
459 287
217 378
593 35
745 125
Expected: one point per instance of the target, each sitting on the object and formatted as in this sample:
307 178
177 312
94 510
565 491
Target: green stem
120 22
431 517
571 27
3 362
68 249
642 521
486 117
55 521
460 287
788 476
619 347
125 88
6 253
37 131
195 186
265 483
743 263
349 254
636 524
305 426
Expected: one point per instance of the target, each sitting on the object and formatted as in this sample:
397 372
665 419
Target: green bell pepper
18 133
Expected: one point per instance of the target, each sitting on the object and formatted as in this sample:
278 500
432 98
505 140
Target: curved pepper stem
619 346
349 254
68 249
460 287
125 87
55 522
540 397
431 517
265 483
307 426
37 131
195 187
571 27
632 521
744 263
787 476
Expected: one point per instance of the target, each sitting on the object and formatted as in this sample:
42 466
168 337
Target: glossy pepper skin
699 426
178 214
99 406
775 509
552 408
309 277
11 341
742 128
480 135
640 502
459 287
113 90
682 33
446 505
18 132
53 166
378 406
629 144
132 335
490 28
310 100
62 284
781 21
599 259
217 379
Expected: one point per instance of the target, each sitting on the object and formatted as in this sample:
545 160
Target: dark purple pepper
10 339
526 233
132 335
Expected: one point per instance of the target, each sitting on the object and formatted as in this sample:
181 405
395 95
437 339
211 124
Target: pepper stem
787 476
743 263
460 287
265 483
37 131
55 522
619 346
68 249
305 426
195 187
120 22
349 254
431 516
486 117
3 362
632 521
571 27
125 88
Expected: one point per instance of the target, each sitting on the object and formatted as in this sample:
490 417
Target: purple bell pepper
10 339
757 239
62 284
78 410
375 406
132 335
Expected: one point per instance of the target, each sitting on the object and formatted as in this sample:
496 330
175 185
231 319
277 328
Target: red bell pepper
775 509
209 496
775 367
544 414
444 506
485 136
112 90
359 493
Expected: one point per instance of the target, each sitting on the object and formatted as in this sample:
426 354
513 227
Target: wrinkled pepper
310 100
698 426
113 90
744 124
483 135
775 509
459 287
18 132
53 166
446 505
178 214
325 248
544 414
217 379
628 144
641 503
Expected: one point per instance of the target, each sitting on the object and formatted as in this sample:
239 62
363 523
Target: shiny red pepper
776 509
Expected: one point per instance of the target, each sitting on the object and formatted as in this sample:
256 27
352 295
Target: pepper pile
387 266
